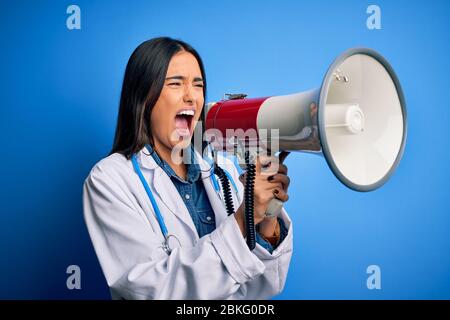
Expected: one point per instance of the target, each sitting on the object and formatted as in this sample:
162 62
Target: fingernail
270 178
265 165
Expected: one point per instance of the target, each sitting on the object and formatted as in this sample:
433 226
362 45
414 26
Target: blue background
59 97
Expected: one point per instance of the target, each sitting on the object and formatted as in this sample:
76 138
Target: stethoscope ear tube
158 214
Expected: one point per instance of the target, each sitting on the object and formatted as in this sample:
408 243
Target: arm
276 263
135 266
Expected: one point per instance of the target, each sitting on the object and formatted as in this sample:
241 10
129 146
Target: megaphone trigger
282 156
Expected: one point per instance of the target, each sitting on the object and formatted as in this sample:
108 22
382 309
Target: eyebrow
183 78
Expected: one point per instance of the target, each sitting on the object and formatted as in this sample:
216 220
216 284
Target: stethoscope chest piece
170 243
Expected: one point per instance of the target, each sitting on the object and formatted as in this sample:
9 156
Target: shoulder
113 168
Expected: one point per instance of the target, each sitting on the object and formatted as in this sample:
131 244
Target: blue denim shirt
194 196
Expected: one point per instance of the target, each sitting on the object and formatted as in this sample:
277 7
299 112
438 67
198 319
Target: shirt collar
193 168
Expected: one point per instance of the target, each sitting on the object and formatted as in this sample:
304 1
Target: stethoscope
165 245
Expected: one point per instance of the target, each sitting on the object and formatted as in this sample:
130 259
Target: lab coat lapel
216 203
167 193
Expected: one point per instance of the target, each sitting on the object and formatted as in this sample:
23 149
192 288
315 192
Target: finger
258 166
280 178
281 195
264 165
265 160
273 186
271 165
283 169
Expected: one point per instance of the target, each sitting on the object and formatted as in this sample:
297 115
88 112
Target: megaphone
356 120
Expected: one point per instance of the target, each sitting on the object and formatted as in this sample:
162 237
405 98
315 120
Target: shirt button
187 196
208 218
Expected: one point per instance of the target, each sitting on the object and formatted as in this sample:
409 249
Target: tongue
182 126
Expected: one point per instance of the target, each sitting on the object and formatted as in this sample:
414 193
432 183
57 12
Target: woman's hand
271 181
268 227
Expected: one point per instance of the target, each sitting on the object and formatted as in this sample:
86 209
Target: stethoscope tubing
155 206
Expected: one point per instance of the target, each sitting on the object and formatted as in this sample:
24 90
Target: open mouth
183 122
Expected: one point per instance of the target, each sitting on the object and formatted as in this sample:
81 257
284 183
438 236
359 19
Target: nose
188 95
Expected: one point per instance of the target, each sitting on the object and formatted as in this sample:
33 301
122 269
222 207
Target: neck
176 162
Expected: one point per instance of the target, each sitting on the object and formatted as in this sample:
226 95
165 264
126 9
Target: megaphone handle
275 205
274 208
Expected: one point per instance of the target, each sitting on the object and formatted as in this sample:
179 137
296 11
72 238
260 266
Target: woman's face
180 103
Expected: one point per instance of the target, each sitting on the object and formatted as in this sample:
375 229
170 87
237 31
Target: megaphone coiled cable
249 202
225 188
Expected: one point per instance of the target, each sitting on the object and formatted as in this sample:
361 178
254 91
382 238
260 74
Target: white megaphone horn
356 120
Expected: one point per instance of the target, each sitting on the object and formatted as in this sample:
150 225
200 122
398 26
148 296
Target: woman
200 252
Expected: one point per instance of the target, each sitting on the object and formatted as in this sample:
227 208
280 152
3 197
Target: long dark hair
142 84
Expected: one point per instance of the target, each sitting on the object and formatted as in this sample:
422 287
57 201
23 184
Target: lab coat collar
146 160
193 169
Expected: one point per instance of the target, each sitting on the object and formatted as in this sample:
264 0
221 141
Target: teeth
186 112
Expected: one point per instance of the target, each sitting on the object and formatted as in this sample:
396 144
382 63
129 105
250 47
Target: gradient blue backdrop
59 96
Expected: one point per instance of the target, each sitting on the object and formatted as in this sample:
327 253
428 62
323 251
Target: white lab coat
127 238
